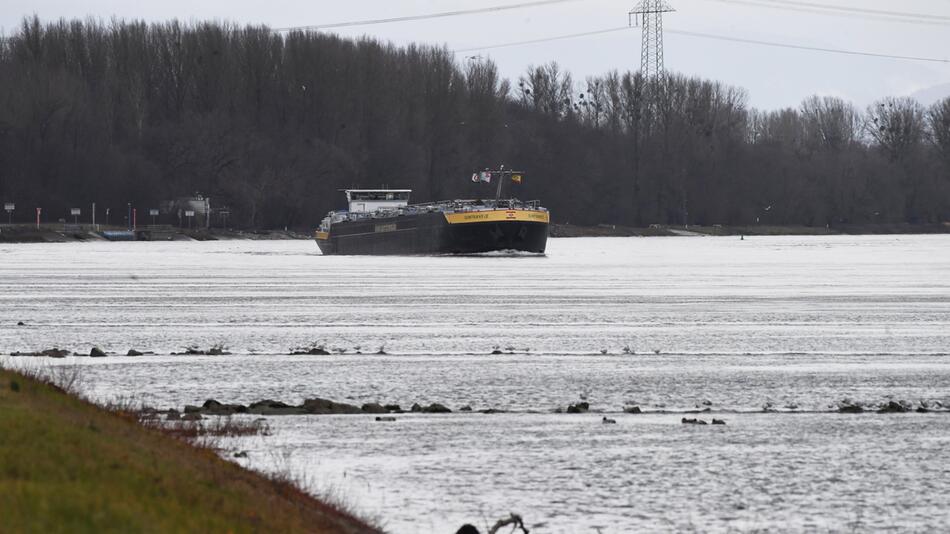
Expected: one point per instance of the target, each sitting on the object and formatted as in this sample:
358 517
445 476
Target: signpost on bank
38 212
9 207
153 213
75 212
190 214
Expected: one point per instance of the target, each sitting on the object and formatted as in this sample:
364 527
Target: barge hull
439 233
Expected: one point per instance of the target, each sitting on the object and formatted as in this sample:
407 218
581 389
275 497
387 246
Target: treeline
273 125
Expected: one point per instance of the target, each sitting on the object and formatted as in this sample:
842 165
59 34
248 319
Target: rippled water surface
768 333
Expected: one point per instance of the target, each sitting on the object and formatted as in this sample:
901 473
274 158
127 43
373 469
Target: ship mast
503 176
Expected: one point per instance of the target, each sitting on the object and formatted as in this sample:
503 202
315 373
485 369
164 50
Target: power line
857 9
936 20
710 36
804 47
442 14
543 39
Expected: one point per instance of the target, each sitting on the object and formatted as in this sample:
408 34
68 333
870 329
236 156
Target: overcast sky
773 77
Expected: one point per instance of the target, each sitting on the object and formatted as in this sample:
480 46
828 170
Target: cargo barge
381 221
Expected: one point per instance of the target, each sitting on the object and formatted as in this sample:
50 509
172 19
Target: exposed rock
707 402
415 407
850 408
55 353
435 407
387 418
465 408
608 421
240 454
491 411
497 351
192 417
693 421
21 323
96 352
133 352
327 407
467 529
923 409
218 350
893 407
192 409
272 407
632 409
718 422
580 407
173 415
312 351
213 407
374 407
393 408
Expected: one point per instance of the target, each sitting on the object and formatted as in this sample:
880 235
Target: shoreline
59 233
74 465
569 230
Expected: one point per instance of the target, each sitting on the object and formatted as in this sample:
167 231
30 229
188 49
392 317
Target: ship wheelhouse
370 200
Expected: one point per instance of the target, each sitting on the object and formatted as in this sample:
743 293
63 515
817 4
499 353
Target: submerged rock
718 421
693 421
608 421
465 408
387 418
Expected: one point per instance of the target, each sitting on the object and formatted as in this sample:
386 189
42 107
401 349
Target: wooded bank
273 125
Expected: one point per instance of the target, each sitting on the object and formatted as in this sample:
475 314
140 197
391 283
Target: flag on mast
484 176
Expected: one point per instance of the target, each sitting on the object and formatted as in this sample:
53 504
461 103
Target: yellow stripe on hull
498 216
321 235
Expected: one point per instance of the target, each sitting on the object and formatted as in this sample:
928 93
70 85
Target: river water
769 333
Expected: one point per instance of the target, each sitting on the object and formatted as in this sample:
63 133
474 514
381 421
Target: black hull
431 233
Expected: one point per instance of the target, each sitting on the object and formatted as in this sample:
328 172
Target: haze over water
793 325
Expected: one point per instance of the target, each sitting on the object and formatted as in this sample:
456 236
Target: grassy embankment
69 466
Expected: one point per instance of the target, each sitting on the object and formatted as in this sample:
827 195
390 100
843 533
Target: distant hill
932 95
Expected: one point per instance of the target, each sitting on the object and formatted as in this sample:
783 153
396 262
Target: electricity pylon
649 15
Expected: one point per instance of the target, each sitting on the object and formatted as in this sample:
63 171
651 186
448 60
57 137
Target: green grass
69 466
